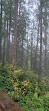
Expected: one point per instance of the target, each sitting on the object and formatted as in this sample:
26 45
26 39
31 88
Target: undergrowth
23 87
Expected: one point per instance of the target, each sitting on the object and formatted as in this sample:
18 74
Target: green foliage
23 87
44 86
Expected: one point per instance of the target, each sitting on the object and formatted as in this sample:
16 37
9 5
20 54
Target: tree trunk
45 51
3 59
40 63
36 52
22 54
15 35
27 54
0 30
31 51
7 43
8 39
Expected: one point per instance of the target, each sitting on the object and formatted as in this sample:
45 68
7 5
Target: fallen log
7 104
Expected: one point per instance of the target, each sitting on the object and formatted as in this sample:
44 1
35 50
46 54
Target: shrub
23 87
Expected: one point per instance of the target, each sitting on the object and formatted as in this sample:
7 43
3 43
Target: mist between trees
24 34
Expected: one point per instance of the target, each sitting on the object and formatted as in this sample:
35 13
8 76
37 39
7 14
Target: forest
24 52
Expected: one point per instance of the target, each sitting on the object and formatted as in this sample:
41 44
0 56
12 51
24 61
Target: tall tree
0 29
40 62
45 40
3 59
15 34
9 19
45 68
31 50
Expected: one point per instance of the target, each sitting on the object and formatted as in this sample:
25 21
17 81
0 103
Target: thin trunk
40 63
7 43
22 55
45 63
27 54
8 39
15 35
0 29
36 52
31 51
45 69
3 59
